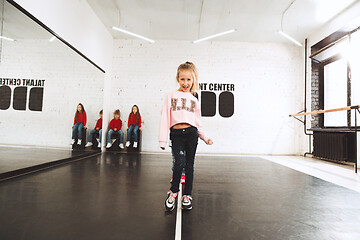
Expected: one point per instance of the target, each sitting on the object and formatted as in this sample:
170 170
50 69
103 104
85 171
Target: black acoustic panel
19 101
208 104
226 104
5 97
36 99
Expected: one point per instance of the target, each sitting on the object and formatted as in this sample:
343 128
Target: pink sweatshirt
179 107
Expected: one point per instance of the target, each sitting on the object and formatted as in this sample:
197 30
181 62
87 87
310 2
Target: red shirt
115 123
81 118
99 124
132 120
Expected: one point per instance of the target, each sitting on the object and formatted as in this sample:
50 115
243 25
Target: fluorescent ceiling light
6 38
52 39
290 38
133 34
214 36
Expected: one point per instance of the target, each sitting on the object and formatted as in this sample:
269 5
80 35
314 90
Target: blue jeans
92 133
133 128
77 127
184 143
111 132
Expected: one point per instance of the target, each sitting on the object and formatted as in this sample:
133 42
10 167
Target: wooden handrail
325 111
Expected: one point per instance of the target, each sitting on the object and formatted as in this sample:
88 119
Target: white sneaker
186 202
89 144
108 145
171 200
127 144
79 141
72 141
121 145
135 144
99 145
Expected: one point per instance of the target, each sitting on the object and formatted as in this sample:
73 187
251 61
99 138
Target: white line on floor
178 215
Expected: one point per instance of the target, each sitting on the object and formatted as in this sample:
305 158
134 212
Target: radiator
338 146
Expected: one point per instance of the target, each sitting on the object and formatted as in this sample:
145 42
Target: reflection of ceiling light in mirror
290 38
214 36
52 39
6 38
327 9
133 34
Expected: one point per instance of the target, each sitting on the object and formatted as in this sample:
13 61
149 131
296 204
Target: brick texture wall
315 102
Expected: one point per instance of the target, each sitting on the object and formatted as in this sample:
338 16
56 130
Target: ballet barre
325 111
348 108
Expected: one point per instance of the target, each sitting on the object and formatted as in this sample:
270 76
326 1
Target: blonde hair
190 66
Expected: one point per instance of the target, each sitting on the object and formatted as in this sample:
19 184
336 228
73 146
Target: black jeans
183 146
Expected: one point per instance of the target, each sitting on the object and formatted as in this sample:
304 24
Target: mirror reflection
42 81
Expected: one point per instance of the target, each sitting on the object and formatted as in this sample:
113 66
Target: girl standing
181 115
134 124
79 123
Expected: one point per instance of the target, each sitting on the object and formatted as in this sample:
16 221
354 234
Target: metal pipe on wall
306 62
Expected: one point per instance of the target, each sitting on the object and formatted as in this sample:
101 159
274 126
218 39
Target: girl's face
101 115
79 108
134 110
185 80
117 116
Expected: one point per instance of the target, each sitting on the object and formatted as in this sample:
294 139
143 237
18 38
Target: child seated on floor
97 129
115 127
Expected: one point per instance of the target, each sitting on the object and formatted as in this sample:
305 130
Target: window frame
319 47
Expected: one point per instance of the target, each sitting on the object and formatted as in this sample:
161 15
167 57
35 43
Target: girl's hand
97 129
209 142
162 148
115 129
140 129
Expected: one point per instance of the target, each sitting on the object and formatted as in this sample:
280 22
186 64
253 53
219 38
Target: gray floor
12 158
121 196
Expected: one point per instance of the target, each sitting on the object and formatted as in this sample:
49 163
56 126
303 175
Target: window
336 68
335 93
354 59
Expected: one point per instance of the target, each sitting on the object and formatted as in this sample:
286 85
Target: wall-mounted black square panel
36 99
208 104
226 104
19 100
5 97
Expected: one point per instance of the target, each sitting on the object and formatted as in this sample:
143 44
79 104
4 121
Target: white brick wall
268 80
69 79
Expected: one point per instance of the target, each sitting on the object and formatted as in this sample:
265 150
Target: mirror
41 84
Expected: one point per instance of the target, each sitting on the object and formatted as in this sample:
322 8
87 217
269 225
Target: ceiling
255 20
